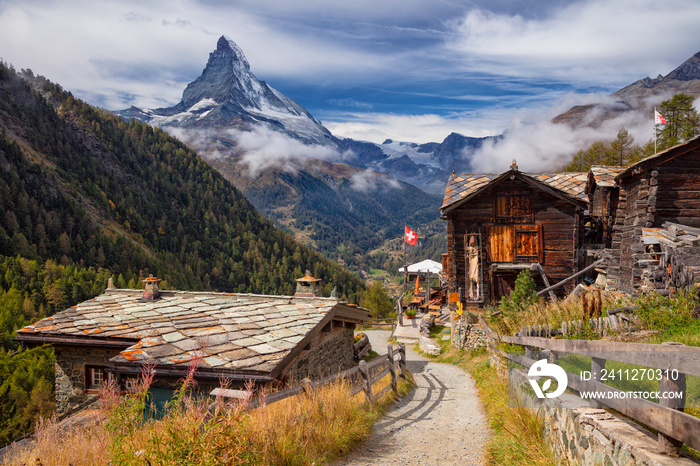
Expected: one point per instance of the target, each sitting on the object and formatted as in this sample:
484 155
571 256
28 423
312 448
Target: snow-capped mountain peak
227 94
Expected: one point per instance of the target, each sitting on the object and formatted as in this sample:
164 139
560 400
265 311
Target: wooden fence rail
674 426
360 378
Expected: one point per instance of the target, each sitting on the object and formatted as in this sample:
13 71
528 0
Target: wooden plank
379 376
566 280
378 362
230 393
346 374
552 296
356 389
685 359
277 396
366 382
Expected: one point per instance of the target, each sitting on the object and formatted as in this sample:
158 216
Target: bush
663 312
523 296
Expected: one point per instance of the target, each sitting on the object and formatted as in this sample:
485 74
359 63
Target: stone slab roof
603 177
461 186
572 183
229 332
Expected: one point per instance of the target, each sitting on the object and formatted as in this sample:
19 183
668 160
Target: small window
96 377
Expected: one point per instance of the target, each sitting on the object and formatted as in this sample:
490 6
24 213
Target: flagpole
654 130
405 267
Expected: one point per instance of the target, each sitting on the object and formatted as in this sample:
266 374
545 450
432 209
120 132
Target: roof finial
514 166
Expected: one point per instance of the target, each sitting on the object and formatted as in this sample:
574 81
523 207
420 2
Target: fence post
366 382
392 369
597 366
669 445
402 361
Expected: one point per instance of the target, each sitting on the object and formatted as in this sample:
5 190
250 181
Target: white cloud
377 127
538 145
582 41
145 53
257 149
369 181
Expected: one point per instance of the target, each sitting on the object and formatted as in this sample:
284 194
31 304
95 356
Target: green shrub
523 296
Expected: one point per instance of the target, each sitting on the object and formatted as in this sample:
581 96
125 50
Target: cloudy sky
370 69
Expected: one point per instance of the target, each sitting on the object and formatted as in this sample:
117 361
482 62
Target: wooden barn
498 225
655 192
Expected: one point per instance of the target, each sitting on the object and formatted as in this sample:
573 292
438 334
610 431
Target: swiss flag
659 118
410 237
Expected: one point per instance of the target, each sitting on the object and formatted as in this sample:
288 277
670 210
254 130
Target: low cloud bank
369 181
261 149
538 145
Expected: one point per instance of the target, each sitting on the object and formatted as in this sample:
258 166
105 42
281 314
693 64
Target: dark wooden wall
678 193
669 192
558 220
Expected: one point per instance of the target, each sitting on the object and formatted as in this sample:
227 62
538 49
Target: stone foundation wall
333 354
582 435
472 336
71 373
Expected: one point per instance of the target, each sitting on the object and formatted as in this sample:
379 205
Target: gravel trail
439 422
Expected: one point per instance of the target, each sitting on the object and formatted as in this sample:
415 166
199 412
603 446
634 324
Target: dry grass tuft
542 313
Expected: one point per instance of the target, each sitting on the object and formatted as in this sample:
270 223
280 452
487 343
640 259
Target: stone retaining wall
583 435
473 337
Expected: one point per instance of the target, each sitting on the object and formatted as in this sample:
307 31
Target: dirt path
440 422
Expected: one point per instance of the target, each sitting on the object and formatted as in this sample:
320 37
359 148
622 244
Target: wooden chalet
498 225
234 337
653 193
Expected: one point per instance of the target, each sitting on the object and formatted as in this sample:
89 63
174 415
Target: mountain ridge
685 78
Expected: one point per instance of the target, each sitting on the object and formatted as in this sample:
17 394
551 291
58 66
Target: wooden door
501 241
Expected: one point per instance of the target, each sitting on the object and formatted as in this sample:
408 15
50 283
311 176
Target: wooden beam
566 280
552 296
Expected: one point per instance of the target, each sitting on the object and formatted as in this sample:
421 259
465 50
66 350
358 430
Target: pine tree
682 121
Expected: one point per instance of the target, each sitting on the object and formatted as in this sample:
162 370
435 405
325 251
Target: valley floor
440 422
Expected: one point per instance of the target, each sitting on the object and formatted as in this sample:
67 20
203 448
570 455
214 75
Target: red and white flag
659 118
410 237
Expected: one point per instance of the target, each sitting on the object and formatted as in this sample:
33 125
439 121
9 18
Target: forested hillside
85 195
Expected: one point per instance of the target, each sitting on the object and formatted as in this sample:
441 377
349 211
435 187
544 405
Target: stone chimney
150 289
308 287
